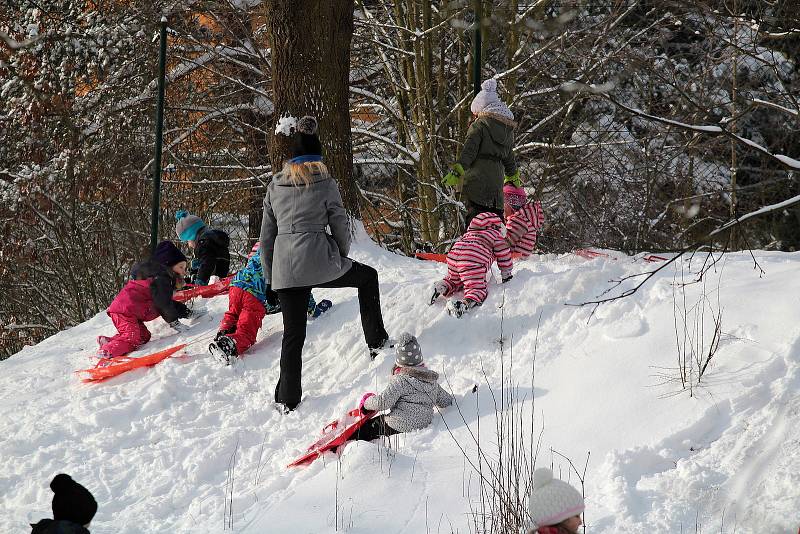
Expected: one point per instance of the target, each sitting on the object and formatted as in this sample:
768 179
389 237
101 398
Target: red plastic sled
590 254
123 364
217 288
652 257
431 256
334 434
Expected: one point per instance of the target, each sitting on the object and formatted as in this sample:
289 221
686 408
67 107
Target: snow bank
155 446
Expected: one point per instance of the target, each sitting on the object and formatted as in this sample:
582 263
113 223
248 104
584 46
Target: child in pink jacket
469 260
147 296
523 220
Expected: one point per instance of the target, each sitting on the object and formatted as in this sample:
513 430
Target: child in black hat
73 508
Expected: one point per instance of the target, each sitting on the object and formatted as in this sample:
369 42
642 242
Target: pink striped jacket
522 228
482 244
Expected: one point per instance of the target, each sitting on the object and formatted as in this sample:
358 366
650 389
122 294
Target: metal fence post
476 47
162 60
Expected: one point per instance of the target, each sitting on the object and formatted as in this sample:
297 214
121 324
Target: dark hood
500 129
150 268
220 239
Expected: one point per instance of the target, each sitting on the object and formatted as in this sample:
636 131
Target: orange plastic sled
123 364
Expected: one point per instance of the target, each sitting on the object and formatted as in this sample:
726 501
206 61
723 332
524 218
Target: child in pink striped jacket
523 220
469 260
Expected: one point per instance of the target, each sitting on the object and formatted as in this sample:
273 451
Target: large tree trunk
310 42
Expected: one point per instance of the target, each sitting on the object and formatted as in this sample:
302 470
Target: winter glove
363 399
195 313
507 278
453 178
513 179
178 326
224 332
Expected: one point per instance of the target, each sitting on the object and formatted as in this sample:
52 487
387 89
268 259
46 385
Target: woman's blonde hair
302 173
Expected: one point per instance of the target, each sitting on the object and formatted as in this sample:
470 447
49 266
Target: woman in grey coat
302 201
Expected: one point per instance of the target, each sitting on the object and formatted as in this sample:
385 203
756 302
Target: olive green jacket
487 157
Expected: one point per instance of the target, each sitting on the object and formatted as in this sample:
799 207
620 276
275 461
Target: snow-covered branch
13 44
708 129
377 98
200 122
761 211
181 70
550 146
773 105
387 142
384 161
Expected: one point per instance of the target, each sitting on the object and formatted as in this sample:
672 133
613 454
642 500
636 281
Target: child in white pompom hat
486 160
555 506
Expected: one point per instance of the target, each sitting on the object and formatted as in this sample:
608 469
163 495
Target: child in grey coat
412 393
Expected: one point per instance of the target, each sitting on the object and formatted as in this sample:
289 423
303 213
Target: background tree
310 42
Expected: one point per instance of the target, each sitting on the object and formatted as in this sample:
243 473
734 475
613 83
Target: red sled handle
335 423
330 426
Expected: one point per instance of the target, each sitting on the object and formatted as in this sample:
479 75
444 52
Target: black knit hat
168 254
306 140
72 502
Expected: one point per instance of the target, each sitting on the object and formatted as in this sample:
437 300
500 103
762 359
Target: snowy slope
156 446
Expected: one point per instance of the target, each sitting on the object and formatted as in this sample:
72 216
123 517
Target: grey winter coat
410 396
296 249
487 153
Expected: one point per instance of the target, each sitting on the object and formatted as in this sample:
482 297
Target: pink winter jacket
522 228
149 295
483 244
135 301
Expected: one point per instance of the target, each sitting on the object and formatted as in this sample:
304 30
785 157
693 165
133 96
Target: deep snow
155 445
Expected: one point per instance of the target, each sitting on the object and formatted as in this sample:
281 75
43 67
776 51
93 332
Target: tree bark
310 42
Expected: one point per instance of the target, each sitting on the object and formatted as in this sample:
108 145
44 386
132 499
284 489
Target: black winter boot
224 350
460 307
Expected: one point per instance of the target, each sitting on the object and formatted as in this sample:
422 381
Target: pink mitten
365 397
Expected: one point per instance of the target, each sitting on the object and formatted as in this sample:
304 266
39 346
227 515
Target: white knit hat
552 500
487 101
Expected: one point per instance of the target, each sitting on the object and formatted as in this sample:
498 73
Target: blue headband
307 158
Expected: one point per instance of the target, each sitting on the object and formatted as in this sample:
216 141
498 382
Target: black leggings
373 429
474 209
294 307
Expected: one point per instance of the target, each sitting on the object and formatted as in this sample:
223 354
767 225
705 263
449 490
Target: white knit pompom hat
553 500
487 101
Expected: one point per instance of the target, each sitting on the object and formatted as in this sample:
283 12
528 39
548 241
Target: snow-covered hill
160 447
